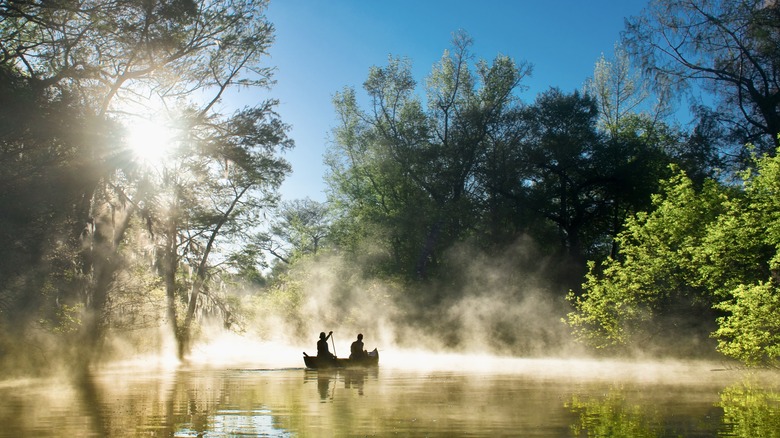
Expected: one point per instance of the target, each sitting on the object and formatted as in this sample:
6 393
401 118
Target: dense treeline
416 173
414 180
456 205
710 252
473 162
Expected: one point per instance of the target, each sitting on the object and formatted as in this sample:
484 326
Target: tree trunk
104 257
185 332
169 265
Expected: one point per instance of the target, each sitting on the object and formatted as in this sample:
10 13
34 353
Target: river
408 395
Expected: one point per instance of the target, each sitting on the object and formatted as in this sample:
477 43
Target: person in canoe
322 346
356 350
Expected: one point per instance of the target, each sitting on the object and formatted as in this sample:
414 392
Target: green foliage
278 307
401 174
408 181
711 248
751 331
301 227
734 251
655 270
748 243
618 89
762 191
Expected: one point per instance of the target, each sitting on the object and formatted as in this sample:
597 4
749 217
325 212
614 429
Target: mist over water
496 314
234 351
491 317
254 383
490 306
483 354
238 385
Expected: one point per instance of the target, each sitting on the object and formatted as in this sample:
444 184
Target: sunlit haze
389 218
150 140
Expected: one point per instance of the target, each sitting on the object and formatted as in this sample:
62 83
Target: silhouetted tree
111 58
727 47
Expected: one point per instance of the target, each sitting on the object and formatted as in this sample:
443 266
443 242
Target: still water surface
500 397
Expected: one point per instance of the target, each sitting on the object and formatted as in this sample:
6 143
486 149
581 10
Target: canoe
371 360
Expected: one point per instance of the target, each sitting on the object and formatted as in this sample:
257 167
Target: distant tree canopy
301 228
476 164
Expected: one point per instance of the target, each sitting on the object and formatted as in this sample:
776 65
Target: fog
490 307
491 317
497 313
234 351
486 349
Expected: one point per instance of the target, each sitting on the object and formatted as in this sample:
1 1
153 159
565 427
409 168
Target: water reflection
749 410
297 402
745 409
356 378
613 416
235 423
323 385
328 379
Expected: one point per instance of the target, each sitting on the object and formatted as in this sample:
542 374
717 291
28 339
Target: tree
728 47
579 180
704 260
561 144
301 228
619 92
654 273
741 261
225 176
700 152
43 137
406 174
114 59
641 141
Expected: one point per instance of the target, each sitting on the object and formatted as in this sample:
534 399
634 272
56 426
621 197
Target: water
407 396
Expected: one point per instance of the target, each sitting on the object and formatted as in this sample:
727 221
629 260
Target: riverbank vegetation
461 213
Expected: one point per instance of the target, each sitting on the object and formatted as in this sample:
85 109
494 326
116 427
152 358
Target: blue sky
322 46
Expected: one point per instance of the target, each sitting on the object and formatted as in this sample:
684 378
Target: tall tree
409 170
562 146
301 228
113 57
727 47
224 179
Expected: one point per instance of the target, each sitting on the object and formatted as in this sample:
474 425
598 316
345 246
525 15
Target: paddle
334 344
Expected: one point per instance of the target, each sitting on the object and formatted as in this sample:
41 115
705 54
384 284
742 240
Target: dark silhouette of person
322 346
356 350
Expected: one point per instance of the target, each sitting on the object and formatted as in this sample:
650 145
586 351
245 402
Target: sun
151 141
